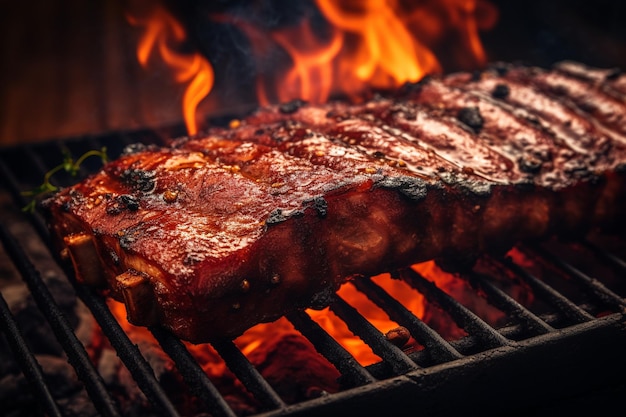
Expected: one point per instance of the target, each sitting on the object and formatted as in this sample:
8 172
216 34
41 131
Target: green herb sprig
68 165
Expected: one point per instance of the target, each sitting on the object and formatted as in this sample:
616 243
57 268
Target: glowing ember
163 33
260 336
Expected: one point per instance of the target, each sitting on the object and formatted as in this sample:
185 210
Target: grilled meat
218 232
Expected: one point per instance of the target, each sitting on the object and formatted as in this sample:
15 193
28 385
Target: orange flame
374 43
161 30
385 53
337 328
311 75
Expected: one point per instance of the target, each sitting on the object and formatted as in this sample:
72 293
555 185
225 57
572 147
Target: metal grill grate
573 347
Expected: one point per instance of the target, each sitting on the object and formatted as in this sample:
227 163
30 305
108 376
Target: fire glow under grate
558 332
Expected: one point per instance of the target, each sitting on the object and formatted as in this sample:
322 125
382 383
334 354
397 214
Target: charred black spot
530 164
275 217
296 213
114 257
378 155
126 241
412 188
409 114
476 75
121 203
279 137
291 106
534 120
129 201
576 169
501 68
471 117
319 204
501 91
543 154
323 298
416 87
114 208
134 148
139 179
192 258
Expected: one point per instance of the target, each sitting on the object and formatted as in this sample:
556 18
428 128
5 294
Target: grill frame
495 380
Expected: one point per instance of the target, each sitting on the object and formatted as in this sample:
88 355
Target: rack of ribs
236 226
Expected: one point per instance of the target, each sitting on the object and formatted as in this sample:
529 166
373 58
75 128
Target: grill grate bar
353 373
438 348
602 293
77 355
129 353
27 361
248 374
195 378
400 363
549 294
462 316
506 303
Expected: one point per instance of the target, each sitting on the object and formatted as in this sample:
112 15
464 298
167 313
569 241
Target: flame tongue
163 33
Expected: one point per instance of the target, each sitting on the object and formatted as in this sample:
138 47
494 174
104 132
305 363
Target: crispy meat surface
233 227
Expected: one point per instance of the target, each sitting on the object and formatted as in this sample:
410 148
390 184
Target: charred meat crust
239 226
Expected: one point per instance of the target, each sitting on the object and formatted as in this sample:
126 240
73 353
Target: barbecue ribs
237 226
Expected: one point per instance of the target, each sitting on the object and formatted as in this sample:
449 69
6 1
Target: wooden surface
69 68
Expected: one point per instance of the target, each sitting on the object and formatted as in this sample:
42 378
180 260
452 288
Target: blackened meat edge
234 227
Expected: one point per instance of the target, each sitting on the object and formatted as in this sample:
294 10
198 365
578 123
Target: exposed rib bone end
84 255
138 297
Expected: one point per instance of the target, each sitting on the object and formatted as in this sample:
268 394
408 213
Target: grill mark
342 124
292 179
508 131
576 131
584 95
227 153
316 148
262 164
372 139
312 150
611 81
450 141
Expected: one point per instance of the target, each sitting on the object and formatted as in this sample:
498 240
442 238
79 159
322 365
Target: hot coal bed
557 351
